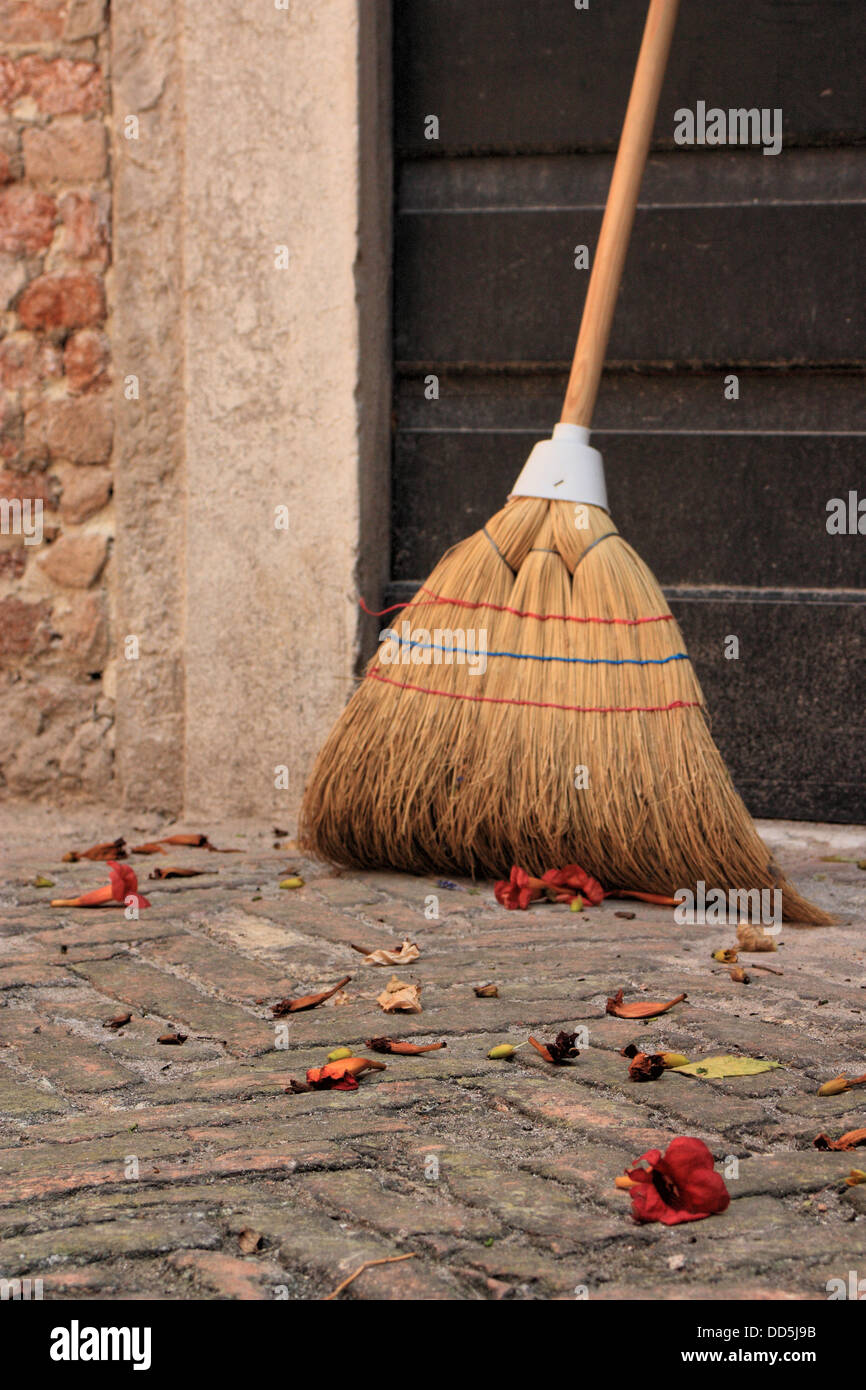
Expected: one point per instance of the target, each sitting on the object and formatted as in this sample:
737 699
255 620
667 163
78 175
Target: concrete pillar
283 195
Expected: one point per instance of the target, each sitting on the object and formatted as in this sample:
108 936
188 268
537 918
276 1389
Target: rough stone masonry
55 414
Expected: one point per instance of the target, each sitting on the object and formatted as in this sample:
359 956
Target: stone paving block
218 968
102 1240
789 1172
363 1199
331 1251
70 1062
20 1098
228 1276
527 1203
105 928
179 1003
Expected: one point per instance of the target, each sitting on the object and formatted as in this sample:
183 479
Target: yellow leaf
292 882
712 1068
502 1052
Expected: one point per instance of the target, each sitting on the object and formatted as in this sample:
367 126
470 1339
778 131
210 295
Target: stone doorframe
251 342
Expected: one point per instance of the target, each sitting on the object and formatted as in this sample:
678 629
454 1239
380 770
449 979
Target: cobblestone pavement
129 1169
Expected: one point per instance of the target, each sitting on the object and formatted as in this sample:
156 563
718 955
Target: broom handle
610 252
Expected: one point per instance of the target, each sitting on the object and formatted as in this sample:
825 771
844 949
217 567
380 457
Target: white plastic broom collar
565 468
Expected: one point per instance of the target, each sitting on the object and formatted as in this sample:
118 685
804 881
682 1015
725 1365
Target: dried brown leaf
640 1008
306 1001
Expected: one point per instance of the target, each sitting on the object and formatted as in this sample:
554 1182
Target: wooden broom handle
610 252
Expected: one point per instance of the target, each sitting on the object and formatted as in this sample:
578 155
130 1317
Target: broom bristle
583 740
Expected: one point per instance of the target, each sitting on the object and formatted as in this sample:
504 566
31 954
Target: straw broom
585 738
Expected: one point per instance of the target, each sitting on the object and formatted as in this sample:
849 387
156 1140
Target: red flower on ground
124 885
679 1185
573 881
519 890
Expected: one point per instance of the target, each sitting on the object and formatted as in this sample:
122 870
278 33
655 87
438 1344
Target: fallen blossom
639 1008
679 1185
112 849
560 1050
306 1001
840 1084
404 1049
342 1075
854 1139
519 890
121 891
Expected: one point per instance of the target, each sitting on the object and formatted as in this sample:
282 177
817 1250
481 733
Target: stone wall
170 643
56 729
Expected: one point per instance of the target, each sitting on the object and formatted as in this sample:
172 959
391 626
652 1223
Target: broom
536 705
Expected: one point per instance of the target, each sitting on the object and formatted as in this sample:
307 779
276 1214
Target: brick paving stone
522 1204
228 1276
178 1002
220 969
332 1250
100 1240
362 1197
68 1061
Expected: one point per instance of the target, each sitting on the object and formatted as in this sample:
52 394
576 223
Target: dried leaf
403 956
486 991
560 1050
176 873
195 842
854 1139
398 997
627 916
639 1009
112 849
739 976
646 1066
249 1240
172 1039
118 1021
306 1001
750 938
405 1049
151 847
713 1067
40 881
296 1088
855 1177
